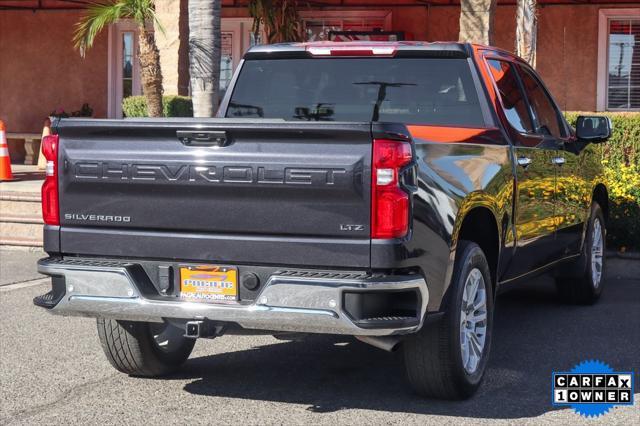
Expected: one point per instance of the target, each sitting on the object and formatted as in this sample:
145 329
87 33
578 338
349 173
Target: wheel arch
601 196
480 224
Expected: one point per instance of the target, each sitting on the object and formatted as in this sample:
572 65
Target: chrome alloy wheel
167 336
473 320
597 249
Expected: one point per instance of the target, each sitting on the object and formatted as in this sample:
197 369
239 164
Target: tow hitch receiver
204 328
193 329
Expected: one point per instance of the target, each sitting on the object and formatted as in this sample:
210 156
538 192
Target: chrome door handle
558 161
524 161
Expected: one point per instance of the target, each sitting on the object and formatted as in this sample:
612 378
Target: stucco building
588 50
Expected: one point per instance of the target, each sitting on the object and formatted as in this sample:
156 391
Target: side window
544 111
513 100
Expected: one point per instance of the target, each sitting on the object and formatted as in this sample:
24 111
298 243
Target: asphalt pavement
53 371
19 266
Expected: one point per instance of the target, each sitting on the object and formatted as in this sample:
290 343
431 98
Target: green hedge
621 160
172 106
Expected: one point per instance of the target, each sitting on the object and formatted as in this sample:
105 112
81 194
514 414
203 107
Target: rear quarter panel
453 179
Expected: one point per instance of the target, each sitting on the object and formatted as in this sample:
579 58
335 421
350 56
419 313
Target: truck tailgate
272 192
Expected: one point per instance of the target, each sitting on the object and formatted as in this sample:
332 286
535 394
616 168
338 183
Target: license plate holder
209 283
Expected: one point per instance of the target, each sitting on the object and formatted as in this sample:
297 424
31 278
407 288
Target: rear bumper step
305 304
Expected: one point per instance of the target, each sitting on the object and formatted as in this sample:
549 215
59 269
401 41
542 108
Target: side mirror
593 129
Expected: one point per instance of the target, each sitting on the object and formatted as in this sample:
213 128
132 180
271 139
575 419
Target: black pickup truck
380 190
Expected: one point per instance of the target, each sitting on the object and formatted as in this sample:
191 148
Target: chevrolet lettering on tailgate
221 174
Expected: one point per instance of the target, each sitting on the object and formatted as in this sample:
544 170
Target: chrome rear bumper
293 304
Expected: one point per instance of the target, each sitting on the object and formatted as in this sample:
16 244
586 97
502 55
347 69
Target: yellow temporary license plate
209 282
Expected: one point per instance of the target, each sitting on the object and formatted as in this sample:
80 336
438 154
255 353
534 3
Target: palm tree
279 19
143 13
204 55
476 21
527 30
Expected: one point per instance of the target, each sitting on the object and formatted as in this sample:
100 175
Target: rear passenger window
544 112
513 100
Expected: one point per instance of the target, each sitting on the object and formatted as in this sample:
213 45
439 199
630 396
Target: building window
619 60
127 64
319 29
623 59
123 73
226 59
318 25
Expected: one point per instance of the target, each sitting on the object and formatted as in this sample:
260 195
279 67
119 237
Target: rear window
431 91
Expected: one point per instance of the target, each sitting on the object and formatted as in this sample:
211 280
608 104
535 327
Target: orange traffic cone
5 161
46 131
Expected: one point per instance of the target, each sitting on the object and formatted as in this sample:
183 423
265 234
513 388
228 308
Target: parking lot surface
53 371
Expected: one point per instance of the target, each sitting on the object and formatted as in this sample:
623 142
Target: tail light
389 202
50 205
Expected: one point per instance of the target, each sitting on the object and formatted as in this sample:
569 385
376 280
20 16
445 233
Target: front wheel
447 359
142 348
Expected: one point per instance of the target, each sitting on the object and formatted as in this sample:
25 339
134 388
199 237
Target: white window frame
114 71
604 16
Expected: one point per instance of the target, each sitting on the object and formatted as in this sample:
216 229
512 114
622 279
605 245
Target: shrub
84 111
621 161
172 106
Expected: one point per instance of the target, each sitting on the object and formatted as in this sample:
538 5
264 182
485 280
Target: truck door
572 192
534 215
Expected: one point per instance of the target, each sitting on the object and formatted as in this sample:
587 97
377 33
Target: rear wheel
447 360
584 287
144 349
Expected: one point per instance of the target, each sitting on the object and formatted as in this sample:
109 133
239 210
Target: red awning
80 4
44 4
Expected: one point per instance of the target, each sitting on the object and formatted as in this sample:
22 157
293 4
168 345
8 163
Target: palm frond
141 11
159 24
146 13
94 20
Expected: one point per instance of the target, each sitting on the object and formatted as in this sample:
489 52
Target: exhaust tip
386 343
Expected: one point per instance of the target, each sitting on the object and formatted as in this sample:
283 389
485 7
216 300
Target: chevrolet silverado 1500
380 190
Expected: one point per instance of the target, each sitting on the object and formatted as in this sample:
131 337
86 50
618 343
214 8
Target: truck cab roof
360 48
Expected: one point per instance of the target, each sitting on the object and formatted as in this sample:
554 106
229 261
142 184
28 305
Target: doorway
124 66
236 39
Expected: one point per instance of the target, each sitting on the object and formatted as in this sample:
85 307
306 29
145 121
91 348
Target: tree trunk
204 55
476 21
527 30
150 72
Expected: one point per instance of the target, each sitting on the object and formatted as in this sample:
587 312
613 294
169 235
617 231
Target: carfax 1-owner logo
592 388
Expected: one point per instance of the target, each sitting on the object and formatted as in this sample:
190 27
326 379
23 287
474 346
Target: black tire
132 349
580 286
433 356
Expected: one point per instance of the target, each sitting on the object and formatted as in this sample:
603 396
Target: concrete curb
24 284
